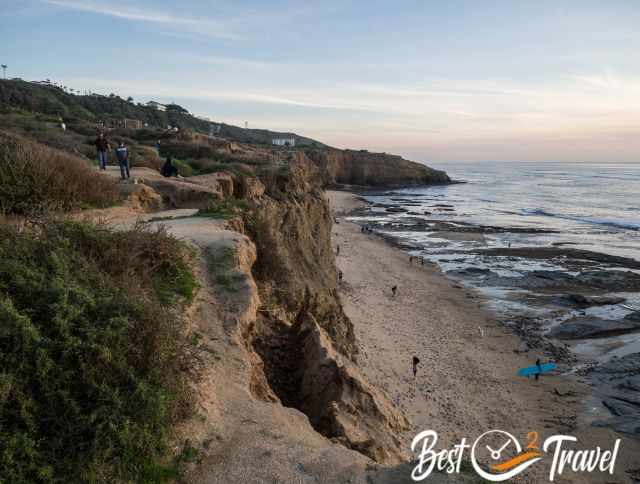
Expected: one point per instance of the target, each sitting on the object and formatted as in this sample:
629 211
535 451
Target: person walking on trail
168 169
122 153
102 147
416 362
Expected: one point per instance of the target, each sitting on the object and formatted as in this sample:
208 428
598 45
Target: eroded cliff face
302 335
348 167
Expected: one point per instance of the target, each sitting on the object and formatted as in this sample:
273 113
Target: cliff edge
349 167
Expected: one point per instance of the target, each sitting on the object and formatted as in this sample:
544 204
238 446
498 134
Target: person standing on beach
539 365
340 276
122 153
102 147
338 250
416 362
394 290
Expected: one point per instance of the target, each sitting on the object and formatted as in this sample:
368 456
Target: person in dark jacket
168 169
122 153
102 147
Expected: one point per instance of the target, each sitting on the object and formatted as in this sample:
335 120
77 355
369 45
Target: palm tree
4 70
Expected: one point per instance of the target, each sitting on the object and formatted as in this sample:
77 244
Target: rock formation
348 167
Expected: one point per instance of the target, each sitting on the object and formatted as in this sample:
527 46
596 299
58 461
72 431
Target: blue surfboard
535 369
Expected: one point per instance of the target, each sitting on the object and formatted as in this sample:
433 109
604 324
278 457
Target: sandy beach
466 382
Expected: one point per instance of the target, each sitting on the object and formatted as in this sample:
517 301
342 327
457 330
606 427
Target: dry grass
36 179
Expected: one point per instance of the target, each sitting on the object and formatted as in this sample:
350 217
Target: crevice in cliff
277 345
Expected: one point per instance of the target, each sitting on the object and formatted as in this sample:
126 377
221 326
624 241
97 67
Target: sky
435 81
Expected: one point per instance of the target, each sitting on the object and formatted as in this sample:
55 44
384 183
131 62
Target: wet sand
466 382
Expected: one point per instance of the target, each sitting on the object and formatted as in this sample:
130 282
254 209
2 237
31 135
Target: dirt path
466 382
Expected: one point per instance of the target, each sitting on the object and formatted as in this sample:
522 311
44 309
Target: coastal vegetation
94 351
36 179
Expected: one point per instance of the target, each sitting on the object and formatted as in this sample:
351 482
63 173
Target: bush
35 179
226 209
187 149
93 352
143 156
183 167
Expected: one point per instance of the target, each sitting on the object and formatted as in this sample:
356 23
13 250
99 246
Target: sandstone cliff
348 167
306 342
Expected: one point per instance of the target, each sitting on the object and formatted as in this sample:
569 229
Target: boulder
628 365
629 425
621 408
220 182
396 210
590 327
587 301
631 383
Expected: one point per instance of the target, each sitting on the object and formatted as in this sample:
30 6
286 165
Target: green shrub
222 266
36 179
93 351
226 209
183 167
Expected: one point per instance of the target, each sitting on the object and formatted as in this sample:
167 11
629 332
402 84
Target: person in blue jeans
102 146
122 153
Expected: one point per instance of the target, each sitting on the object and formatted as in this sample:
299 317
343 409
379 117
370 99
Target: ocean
596 206
509 206
553 249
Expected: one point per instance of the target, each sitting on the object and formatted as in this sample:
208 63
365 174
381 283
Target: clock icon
496 449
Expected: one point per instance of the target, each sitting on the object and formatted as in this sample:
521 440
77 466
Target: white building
283 141
155 105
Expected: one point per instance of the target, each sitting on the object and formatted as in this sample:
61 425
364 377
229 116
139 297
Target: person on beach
539 365
362 229
338 250
421 261
122 153
168 169
394 290
102 147
416 362
410 259
340 276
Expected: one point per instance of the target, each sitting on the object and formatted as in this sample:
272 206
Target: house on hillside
156 105
283 141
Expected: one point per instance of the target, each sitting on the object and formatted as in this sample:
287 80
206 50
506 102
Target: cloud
205 27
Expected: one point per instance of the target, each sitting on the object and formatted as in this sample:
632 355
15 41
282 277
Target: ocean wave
621 224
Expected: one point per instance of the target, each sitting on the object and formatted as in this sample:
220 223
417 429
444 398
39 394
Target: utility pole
4 70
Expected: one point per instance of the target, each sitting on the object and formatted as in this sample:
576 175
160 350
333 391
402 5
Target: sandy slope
466 383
